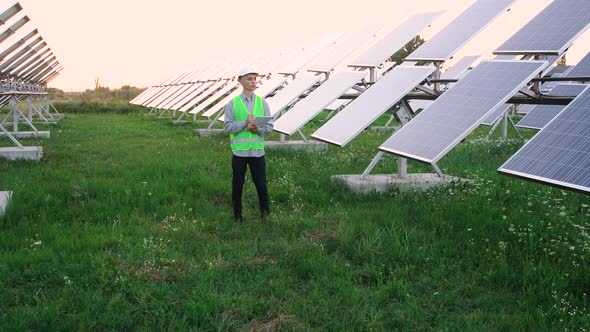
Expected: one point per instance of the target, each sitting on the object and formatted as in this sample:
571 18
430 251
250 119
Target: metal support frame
437 170
47 108
436 75
373 74
427 90
17 114
302 136
212 123
504 121
182 115
403 115
40 111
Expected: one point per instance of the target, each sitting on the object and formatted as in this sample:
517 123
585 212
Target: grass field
126 223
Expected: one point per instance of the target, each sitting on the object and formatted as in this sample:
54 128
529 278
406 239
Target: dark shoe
264 218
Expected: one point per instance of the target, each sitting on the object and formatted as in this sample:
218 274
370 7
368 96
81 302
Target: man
247 142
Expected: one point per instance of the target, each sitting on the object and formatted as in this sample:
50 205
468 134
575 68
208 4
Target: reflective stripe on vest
246 140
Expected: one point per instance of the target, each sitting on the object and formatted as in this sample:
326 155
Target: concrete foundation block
296 145
29 134
386 182
209 132
4 200
25 153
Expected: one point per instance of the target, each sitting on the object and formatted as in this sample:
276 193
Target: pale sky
142 42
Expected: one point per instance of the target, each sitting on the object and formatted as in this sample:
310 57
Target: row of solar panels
449 119
27 64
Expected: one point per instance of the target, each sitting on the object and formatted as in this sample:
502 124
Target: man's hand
252 127
250 119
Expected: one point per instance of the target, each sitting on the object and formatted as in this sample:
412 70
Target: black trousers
257 167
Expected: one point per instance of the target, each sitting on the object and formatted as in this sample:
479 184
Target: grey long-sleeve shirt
231 126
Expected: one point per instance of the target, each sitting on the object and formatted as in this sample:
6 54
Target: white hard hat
247 70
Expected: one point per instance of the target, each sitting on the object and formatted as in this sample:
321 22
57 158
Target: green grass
126 223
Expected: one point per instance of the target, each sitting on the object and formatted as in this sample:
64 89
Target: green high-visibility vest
246 140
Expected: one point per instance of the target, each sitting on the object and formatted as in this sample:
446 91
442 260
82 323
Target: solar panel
166 96
395 40
504 57
185 104
201 84
460 31
560 153
317 101
187 89
524 109
496 114
302 56
371 104
384 69
503 109
215 97
289 93
211 90
460 67
166 87
457 112
198 95
552 31
338 103
582 69
264 90
343 47
541 115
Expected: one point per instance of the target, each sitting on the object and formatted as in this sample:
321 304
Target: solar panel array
317 101
395 40
288 94
455 35
371 104
539 116
343 47
266 87
552 31
560 153
457 112
26 67
460 67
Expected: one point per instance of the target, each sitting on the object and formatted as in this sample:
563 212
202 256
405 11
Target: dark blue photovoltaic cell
460 31
560 153
458 111
552 30
541 115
